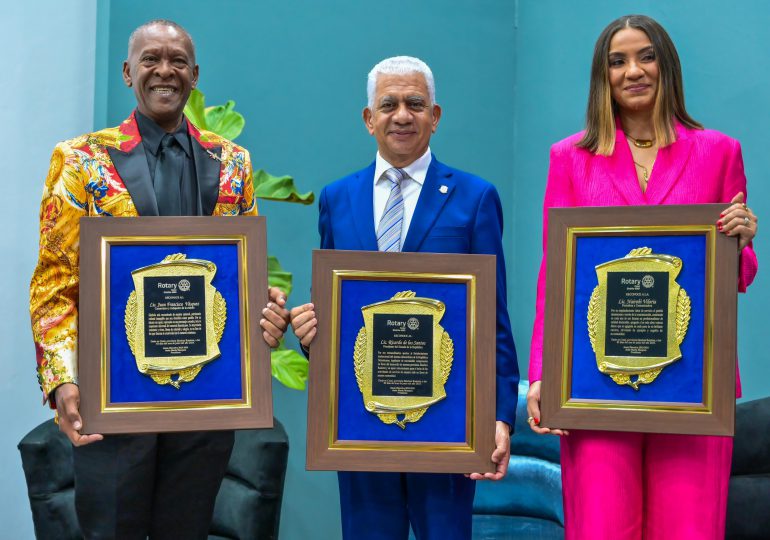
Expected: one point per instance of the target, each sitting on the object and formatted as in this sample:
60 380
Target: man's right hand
67 405
303 322
533 410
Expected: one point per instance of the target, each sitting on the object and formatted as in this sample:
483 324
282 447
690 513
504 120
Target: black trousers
161 486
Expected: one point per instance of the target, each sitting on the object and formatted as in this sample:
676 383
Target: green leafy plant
288 366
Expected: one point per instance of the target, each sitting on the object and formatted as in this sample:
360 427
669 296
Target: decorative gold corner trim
568 313
240 241
340 275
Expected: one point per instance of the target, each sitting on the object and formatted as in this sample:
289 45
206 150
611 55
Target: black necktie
168 176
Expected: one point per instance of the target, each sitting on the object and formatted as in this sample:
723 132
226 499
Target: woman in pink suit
641 147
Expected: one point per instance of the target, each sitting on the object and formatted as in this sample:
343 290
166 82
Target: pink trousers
620 486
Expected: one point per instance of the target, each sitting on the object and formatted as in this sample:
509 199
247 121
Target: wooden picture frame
696 393
231 391
349 437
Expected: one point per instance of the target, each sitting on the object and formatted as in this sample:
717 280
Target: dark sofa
748 501
524 505
527 504
248 505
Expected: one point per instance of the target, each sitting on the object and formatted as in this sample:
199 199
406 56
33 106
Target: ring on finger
530 420
745 207
746 221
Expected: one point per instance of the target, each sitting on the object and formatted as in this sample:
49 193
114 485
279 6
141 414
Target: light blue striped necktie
389 230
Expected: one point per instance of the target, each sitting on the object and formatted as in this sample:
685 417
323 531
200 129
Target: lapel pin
212 155
443 189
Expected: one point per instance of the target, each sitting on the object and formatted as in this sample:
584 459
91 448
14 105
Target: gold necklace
645 170
641 143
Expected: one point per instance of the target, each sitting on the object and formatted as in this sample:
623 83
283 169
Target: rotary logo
648 281
184 285
412 323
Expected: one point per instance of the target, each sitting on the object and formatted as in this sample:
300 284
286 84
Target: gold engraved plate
638 316
174 319
402 357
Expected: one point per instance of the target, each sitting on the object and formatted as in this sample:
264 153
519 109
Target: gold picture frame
335 353
700 398
117 396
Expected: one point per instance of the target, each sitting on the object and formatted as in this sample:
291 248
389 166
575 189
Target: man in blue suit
406 200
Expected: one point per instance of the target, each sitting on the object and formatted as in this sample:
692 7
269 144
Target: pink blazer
702 166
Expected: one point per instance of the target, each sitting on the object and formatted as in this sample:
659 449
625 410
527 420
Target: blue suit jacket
468 218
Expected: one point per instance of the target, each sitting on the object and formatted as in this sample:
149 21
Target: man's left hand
275 317
501 454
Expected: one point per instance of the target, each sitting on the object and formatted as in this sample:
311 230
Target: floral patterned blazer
106 174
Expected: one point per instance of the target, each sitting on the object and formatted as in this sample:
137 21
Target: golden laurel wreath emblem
400 410
174 370
623 369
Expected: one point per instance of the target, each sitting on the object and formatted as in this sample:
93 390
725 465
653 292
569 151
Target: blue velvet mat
680 382
445 420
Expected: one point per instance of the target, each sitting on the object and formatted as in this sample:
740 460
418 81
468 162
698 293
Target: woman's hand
738 220
533 411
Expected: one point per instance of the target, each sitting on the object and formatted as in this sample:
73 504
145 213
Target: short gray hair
400 65
161 22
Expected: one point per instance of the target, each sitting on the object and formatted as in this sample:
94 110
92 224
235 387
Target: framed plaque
640 323
169 336
402 369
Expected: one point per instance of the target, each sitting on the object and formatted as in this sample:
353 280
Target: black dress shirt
152 134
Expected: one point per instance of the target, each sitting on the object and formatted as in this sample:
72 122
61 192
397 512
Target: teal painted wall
512 78
46 95
297 71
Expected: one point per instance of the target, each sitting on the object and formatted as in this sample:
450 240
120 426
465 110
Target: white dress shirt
410 188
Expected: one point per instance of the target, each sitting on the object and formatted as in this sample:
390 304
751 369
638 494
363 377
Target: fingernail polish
722 214
537 421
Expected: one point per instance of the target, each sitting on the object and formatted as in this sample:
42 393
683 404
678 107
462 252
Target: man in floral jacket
155 163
